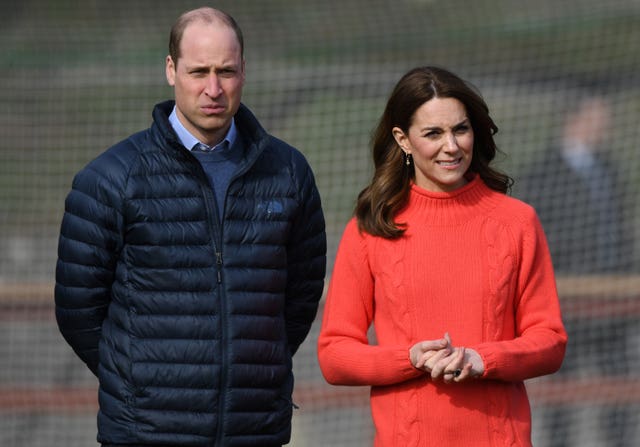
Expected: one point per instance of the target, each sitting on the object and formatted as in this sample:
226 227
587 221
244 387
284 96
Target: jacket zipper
224 361
216 241
219 266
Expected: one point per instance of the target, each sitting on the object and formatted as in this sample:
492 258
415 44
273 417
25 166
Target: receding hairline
205 15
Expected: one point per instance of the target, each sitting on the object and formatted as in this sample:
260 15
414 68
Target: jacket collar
250 131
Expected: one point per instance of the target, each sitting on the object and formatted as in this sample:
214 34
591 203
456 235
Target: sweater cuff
410 371
489 361
393 365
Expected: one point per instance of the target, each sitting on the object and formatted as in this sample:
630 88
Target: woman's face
440 141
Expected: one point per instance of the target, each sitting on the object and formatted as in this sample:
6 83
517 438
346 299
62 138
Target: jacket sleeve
306 257
89 243
540 338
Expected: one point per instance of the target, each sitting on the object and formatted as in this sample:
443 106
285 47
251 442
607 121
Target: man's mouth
213 109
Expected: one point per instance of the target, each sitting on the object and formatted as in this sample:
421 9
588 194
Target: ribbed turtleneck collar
449 208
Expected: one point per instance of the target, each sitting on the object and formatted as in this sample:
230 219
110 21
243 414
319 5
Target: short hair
207 15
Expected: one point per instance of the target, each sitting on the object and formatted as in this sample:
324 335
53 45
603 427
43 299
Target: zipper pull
219 262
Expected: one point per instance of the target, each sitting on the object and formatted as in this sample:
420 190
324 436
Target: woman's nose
451 143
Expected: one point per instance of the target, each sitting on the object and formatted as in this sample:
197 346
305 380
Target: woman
454 274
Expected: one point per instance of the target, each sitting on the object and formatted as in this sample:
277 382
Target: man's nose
213 88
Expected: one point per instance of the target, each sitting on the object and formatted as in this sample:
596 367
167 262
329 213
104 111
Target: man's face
207 80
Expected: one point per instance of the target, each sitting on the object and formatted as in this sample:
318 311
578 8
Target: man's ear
170 71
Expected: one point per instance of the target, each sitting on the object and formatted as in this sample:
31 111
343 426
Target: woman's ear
402 139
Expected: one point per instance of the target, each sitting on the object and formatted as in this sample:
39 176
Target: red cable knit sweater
473 263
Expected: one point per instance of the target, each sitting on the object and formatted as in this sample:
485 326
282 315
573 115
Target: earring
407 159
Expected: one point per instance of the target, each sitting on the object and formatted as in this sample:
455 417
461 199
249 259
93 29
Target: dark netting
77 76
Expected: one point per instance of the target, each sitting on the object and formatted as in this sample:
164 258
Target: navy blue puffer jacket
190 325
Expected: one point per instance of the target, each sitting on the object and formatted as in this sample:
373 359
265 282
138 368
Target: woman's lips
450 163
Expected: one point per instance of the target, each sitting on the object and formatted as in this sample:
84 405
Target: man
579 197
187 278
577 193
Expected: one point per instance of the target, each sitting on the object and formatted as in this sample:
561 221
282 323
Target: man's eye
227 73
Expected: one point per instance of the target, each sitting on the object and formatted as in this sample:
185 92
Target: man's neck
188 139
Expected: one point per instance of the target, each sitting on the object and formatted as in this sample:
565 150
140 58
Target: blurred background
563 85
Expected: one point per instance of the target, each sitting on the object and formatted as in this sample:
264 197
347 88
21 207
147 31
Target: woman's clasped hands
442 361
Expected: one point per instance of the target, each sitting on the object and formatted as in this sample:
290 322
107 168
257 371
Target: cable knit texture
473 263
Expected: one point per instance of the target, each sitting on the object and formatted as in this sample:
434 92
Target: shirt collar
188 140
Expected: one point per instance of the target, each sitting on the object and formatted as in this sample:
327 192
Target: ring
457 372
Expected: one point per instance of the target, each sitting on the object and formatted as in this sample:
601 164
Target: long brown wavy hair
388 192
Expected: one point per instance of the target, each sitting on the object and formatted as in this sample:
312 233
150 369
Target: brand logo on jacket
270 208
